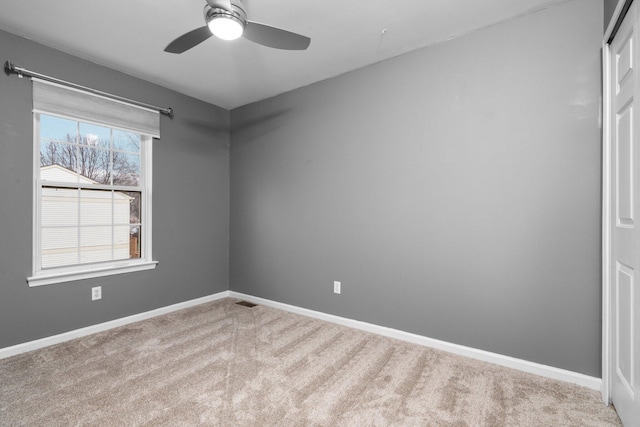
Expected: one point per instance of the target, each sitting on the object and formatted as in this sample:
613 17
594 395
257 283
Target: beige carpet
222 364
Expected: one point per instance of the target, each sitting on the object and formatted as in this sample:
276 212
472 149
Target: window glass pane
59 207
126 141
95 136
59 246
59 259
96 207
126 169
95 244
135 208
121 207
121 242
59 238
135 247
58 162
57 129
94 165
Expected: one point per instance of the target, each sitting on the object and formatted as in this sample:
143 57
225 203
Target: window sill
51 277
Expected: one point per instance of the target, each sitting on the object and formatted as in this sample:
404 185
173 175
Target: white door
625 225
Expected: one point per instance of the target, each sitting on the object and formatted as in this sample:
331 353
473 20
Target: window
92 195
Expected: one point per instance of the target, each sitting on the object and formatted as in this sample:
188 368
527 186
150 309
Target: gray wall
191 204
455 191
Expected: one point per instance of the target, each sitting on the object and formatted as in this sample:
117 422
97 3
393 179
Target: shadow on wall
262 123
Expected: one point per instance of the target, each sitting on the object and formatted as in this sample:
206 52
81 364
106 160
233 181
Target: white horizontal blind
56 99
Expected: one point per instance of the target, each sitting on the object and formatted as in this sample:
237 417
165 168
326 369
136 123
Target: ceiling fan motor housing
238 14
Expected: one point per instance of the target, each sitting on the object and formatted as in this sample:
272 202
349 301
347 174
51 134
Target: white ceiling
130 36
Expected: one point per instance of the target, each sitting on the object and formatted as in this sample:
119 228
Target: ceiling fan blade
220 4
278 38
189 40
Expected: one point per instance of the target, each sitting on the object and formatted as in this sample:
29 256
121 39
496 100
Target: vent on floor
246 304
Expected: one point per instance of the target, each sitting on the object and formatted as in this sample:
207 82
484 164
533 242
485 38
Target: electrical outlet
96 293
337 287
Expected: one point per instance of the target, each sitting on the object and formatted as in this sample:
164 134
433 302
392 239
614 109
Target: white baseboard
498 359
68 336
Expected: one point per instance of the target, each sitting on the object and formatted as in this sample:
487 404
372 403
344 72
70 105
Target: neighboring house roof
62 174
57 173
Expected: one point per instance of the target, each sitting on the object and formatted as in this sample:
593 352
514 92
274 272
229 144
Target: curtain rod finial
8 67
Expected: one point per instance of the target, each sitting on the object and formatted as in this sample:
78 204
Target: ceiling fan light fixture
226 26
227 20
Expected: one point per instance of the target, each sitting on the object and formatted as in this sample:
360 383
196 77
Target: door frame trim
606 224
617 17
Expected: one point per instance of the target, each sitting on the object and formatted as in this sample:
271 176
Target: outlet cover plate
96 293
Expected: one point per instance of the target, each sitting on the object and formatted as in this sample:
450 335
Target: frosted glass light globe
226 27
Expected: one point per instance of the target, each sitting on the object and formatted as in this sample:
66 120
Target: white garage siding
80 225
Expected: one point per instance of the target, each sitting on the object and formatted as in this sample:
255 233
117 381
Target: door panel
624 59
625 234
624 177
624 320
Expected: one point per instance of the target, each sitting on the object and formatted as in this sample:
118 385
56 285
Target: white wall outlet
96 293
337 287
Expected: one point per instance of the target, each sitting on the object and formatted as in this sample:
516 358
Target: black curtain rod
10 68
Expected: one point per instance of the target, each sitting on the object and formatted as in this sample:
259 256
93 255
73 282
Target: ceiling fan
227 20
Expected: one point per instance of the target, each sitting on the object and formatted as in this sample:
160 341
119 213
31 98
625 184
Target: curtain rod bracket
10 68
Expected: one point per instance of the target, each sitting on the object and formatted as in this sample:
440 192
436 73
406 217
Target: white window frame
49 276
